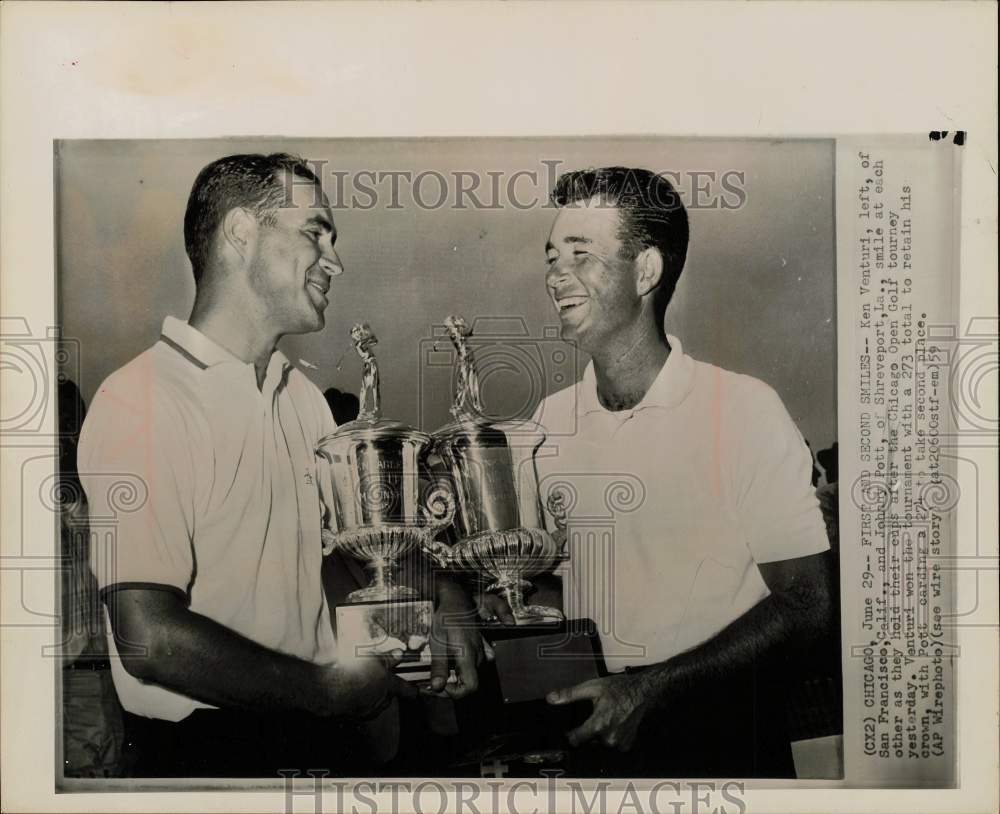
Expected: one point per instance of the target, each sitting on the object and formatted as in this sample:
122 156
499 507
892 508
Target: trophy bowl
370 484
379 548
497 516
508 558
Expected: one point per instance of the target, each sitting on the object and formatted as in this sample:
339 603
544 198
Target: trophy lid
484 432
370 424
469 421
360 430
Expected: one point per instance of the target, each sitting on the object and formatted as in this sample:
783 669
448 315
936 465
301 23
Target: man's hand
455 643
620 704
494 608
361 688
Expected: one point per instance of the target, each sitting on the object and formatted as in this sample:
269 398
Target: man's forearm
770 623
192 654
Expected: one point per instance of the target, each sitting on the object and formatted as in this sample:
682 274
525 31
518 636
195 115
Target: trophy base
398 629
382 593
538 615
524 614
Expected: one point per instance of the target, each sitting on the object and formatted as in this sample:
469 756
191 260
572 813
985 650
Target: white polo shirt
227 512
674 503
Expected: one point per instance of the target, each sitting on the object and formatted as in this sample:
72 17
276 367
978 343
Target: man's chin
316 323
570 332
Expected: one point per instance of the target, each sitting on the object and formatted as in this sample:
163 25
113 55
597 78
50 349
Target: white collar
204 353
670 387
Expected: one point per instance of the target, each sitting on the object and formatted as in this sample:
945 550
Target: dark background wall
756 296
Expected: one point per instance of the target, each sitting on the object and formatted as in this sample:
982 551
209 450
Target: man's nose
330 263
554 275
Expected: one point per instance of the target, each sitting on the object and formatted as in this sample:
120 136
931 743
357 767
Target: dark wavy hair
253 181
652 215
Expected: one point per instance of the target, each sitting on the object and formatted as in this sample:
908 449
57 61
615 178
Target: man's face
591 286
295 260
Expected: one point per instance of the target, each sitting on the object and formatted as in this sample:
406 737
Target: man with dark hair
719 561
260 184
651 215
223 649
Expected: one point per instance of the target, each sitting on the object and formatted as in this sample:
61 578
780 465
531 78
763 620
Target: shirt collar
670 387
203 352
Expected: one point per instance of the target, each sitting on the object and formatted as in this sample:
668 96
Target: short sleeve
776 502
136 468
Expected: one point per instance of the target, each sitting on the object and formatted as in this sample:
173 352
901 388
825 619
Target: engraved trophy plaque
374 510
498 517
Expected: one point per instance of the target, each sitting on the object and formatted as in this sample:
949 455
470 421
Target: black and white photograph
417 377
449 406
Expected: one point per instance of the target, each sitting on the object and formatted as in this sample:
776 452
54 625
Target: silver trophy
498 519
369 479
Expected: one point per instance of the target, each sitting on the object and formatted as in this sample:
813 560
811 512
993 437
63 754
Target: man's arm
799 607
160 640
456 642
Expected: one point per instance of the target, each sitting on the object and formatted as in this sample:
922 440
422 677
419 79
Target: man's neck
236 330
626 370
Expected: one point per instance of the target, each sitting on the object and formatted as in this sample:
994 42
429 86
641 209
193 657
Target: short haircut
252 181
652 215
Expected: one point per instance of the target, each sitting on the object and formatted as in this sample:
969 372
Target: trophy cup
369 481
500 533
498 517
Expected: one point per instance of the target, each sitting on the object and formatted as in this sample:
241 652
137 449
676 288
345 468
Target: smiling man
223 650
718 563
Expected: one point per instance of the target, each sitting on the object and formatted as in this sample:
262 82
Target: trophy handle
329 540
438 512
437 551
556 505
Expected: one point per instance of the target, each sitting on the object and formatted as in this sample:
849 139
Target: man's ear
649 265
239 230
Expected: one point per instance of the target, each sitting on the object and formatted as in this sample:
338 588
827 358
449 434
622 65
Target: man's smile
322 286
566 305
